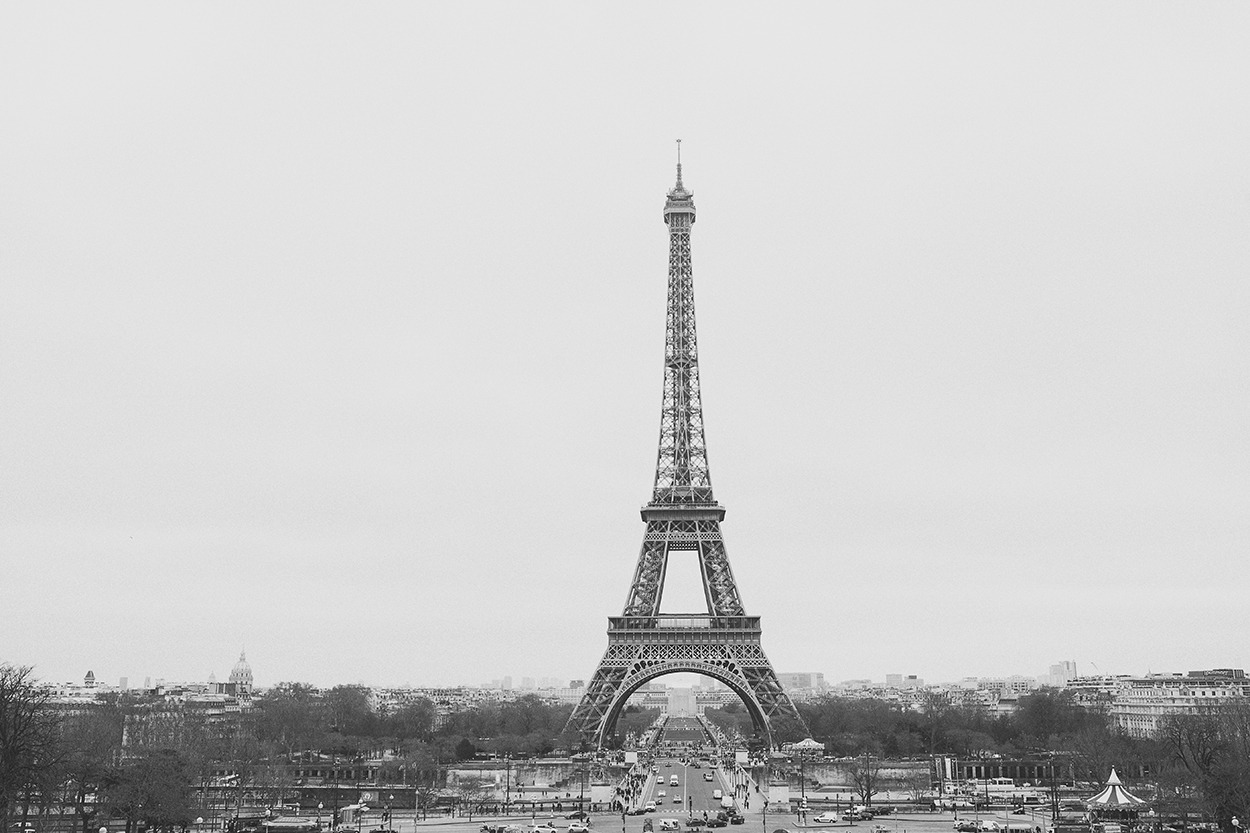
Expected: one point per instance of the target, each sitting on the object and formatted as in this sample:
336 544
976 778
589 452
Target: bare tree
92 740
472 791
935 708
28 736
920 785
1212 747
865 777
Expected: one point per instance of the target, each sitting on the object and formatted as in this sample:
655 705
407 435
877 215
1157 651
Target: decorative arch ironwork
648 670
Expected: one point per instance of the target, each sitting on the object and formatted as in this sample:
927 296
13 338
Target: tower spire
681 472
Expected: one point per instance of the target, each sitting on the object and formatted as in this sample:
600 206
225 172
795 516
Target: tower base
641 648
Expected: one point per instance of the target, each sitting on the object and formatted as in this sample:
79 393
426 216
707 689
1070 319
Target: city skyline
524 682
352 355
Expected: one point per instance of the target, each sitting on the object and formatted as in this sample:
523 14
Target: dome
241 674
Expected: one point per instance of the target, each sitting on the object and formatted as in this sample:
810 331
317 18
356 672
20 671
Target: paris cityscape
332 338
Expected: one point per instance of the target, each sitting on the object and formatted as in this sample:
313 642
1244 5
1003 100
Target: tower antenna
679 185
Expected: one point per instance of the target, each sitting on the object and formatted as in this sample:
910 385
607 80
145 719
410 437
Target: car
542 827
649 808
966 826
717 822
880 828
1019 811
579 814
670 824
660 793
579 827
826 818
668 764
655 769
707 776
857 815
677 799
717 794
736 819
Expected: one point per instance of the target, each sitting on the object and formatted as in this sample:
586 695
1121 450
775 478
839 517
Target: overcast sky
335 332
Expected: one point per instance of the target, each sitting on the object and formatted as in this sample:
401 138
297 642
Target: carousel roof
1114 795
808 743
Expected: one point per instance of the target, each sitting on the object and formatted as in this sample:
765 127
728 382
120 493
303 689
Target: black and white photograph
358 431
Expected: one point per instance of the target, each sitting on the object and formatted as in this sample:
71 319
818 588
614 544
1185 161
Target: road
691 796
755 821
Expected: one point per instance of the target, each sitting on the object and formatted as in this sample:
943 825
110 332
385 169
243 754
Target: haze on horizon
335 332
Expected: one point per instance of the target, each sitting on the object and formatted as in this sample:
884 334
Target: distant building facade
1141 703
803 685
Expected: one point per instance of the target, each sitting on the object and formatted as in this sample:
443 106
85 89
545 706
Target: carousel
1115 807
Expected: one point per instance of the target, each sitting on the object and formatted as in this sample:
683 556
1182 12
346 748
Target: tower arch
648 671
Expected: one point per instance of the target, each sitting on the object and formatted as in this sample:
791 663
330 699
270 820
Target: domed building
241 676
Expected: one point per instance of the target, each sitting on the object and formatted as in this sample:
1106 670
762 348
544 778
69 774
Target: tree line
1195 763
138 763
132 760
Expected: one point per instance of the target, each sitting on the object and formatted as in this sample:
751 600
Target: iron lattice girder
682 474
723 644
693 529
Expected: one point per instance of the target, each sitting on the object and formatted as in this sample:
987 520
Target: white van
716 794
673 782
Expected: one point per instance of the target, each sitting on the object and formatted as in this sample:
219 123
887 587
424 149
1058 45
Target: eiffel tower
723 643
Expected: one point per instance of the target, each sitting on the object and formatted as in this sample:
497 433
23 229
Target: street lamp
507 781
802 781
334 774
685 787
581 799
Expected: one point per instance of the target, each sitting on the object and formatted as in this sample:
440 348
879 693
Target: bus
291 824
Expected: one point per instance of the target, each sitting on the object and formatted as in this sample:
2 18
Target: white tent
1114 795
